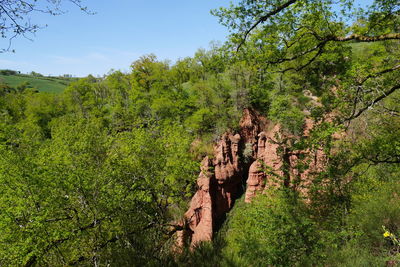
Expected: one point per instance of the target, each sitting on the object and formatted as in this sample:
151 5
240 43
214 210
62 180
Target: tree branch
376 100
387 161
320 48
363 38
15 16
374 75
264 18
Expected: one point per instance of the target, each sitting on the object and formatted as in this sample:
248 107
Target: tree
88 198
294 35
15 16
272 230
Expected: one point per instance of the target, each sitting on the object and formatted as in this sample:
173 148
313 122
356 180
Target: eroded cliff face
247 162
219 183
266 157
277 164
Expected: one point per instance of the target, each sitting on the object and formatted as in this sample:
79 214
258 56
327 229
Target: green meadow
42 83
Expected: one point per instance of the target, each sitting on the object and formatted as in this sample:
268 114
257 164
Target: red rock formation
227 173
199 216
267 170
218 185
221 179
256 180
250 125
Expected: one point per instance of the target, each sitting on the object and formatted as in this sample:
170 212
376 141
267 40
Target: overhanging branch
376 100
364 38
264 18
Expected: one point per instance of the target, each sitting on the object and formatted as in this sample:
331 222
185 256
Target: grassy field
43 84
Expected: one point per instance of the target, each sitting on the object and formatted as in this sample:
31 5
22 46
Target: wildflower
386 234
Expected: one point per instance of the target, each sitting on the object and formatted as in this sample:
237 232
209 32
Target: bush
364 243
352 254
290 116
273 230
377 209
8 72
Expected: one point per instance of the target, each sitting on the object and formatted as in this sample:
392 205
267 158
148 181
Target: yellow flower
386 234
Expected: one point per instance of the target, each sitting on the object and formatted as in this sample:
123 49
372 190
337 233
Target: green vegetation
98 174
38 82
274 230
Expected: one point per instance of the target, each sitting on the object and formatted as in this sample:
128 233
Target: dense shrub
273 230
378 210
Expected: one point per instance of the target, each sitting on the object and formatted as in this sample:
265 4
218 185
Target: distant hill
42 83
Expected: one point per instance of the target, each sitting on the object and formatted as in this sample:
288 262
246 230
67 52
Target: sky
119 33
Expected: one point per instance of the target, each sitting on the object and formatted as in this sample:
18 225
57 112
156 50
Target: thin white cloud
104 56
116 52
96 61
15 64
98 57
67 60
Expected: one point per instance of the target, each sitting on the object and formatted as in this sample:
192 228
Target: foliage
92 189
376 209
273 230
354 254
94 175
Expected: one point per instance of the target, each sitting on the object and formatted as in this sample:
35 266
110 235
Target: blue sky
120 32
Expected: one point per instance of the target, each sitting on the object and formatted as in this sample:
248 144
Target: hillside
42 83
